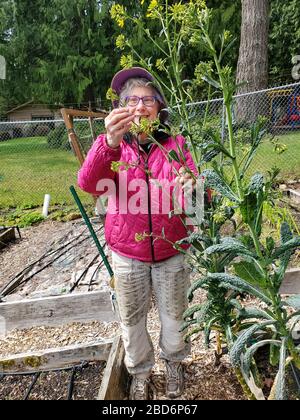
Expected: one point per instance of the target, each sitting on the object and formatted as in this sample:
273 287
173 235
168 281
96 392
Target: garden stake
92 232
100 249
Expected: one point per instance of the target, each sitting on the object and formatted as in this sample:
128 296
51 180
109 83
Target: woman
140 233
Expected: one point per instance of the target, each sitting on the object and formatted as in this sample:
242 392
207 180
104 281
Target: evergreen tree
283 40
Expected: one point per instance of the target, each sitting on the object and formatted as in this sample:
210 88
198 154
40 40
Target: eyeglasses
134 100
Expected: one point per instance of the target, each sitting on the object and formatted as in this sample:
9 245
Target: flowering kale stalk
145 126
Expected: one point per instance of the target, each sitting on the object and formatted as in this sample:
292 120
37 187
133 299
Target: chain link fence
279 110
36 158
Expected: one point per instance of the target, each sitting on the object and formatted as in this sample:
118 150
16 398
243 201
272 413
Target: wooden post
68 115
115 380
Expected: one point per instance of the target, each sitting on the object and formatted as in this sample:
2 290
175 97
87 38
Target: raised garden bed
78 383
203 379
83 371
6 235
292 190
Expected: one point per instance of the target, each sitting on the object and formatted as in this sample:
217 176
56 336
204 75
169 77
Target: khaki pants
134 281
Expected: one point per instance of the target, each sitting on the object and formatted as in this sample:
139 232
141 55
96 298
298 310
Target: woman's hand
185 178
117 123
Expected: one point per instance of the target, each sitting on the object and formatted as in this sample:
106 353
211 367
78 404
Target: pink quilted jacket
121 225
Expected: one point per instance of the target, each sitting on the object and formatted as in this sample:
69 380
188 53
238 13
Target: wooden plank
294 195
291 282
56 358
115 380
86 114
57 310
6 235
68 116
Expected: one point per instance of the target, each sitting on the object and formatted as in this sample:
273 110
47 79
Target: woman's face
141 110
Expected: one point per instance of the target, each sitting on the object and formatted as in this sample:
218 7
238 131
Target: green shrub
21 218
30 219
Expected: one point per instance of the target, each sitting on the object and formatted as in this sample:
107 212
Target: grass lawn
289 161
29 170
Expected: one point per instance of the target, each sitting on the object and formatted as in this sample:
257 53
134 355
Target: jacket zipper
146 167
149 209
149 195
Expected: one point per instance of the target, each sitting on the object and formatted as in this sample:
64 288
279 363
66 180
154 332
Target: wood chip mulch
203 380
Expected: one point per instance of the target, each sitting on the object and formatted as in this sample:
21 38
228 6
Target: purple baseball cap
122 76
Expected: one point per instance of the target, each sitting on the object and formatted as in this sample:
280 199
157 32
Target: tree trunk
252 68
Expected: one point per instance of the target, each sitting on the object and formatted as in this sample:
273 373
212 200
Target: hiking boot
139 389
174 379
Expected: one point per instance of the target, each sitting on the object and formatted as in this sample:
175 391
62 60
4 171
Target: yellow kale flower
145 126
126 61
118 13
154 9
117 166
200 4
201 70
160 64
178 11
121 42
139 237
111 95
227 35
219 217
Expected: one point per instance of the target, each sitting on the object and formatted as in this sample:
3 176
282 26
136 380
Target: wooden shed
30 111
